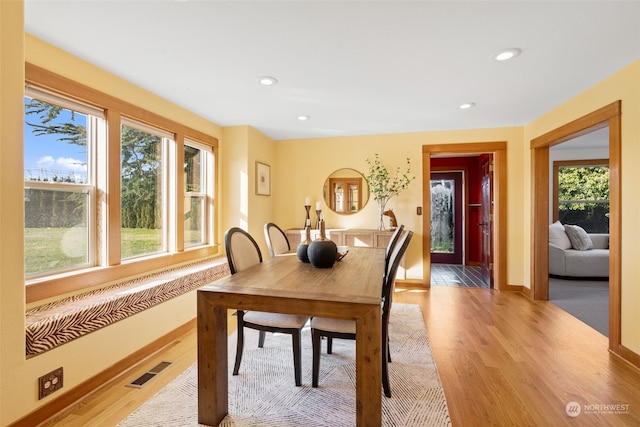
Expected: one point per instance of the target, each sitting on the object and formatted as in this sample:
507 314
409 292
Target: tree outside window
582 194
142 192
196 159
58 189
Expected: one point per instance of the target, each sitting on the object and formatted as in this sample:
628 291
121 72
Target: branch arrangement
382 185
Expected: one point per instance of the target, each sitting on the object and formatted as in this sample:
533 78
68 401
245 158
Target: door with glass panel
446 218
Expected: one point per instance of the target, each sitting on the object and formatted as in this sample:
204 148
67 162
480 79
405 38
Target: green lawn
140 241
48 249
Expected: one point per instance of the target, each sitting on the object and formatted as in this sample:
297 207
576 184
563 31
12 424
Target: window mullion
172 191
109 176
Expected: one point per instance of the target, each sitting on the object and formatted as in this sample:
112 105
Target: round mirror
346 191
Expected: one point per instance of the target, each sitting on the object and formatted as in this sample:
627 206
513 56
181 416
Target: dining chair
277 240
242 253
391 245
389 250
346 329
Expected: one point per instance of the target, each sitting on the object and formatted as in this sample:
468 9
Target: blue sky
45 156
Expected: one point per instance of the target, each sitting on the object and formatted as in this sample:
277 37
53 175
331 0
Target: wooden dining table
351 289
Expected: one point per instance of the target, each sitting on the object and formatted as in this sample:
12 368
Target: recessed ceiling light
303 117
267 80
467 105
507 54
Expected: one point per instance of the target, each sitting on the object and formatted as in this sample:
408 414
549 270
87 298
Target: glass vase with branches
384 186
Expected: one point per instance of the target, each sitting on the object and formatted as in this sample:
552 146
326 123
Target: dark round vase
322 253
302 247
302 252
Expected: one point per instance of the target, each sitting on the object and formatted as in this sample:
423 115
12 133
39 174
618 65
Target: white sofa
565 260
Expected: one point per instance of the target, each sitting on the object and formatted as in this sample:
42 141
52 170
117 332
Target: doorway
580 197
497 150
610 116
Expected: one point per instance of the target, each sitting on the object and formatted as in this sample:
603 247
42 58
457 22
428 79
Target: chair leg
315 340
240 342
296 338
329 345
385 379
385 368
385 335
386 358
261 336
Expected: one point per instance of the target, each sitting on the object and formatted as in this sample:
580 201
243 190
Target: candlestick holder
318 213
307 222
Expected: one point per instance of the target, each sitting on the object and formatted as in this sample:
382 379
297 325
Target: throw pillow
558 236
579 238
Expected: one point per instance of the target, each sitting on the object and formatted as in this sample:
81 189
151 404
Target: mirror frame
346 175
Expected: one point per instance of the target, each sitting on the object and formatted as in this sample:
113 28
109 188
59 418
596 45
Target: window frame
109 266
95 122
166 139
205 193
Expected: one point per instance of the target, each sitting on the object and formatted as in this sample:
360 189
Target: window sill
58 322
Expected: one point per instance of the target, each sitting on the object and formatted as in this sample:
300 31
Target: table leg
213 381
369 369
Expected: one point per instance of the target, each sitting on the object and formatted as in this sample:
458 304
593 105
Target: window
197 157
581 193
59 200
104 188
142 189
442 215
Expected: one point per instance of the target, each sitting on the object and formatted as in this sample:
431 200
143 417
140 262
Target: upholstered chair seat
275 320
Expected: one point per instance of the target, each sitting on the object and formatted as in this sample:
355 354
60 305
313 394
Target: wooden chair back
390 275
392 244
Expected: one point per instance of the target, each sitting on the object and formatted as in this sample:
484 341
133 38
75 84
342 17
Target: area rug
264 393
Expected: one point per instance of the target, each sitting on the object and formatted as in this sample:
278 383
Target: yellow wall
298 170
242 147
234 172
13 369
303 166
261 208
623 85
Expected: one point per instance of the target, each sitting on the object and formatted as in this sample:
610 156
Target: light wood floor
502 359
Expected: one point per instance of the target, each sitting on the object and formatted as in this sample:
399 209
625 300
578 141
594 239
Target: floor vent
150 374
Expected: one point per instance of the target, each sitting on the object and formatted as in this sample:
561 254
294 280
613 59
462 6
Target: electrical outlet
49 383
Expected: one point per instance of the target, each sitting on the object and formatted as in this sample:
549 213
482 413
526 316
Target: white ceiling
355 67
597 139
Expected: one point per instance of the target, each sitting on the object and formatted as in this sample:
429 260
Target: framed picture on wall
263 179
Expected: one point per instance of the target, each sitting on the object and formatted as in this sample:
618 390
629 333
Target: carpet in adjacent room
587 300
